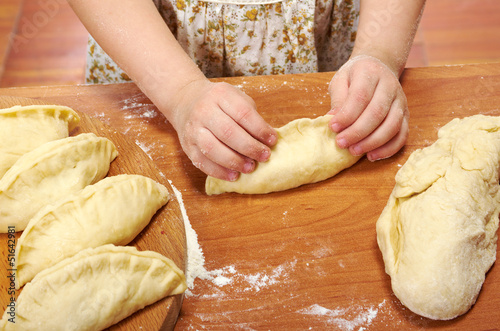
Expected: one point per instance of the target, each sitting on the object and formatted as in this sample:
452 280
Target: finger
220 154
359 96
394 126
213 169
391 147
227 131
371 118
242 109
338 88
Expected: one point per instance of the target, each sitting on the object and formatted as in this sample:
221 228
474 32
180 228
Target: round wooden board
164 234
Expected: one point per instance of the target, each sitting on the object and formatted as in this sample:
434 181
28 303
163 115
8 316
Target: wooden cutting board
165 233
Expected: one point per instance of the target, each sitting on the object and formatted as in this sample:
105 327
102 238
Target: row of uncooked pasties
52 186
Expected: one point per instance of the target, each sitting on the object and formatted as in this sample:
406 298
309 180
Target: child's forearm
133 33
218 125
386 30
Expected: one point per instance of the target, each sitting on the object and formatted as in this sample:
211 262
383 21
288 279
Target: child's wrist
174 103
388 61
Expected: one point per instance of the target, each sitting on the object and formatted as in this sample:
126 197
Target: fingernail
271 141
342 143
335 127
356 150
232 176
248 167
264 156
372 157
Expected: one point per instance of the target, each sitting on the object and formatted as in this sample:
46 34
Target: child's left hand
369 107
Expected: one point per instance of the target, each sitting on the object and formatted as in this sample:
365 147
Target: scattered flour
258 281
103 117
322 251
345 318
144 147
220 277
195 266
251 282
144 114
137 108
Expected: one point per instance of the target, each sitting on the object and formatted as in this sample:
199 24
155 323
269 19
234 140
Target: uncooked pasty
22 129
437 233
50 172
306 152
95 289
112 211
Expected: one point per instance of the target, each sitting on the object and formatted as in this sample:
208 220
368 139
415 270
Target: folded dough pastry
306 152
22 129
95 289
112 211
50 172
437 233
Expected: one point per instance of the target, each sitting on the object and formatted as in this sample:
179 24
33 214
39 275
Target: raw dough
95 289
50 172
306 152
112 211
437 233
22 129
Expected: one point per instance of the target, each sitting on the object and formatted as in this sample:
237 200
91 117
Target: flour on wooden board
356 316
249 282
138 109
195 266
345 318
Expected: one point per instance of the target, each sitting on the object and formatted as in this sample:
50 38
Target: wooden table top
306 258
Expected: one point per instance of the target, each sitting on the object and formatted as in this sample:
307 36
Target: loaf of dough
22 129
437 233
94 289
50 172
306 152
112 211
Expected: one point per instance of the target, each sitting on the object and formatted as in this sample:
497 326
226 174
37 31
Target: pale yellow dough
22 129
95 289
50 172
112 211
306 152
437 233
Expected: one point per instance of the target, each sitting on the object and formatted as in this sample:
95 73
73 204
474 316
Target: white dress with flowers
245 37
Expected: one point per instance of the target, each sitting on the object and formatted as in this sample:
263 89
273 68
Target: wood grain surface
307 258
164 234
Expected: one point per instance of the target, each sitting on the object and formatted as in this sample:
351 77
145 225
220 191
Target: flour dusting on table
355 317
137 108
195 265
252 282
144 147
348 319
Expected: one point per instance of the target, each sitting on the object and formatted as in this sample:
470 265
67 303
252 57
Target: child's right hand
220 129
217 124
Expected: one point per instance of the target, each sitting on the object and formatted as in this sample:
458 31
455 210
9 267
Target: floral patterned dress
250 37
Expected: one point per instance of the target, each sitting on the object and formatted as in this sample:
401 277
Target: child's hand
369 107
220 130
